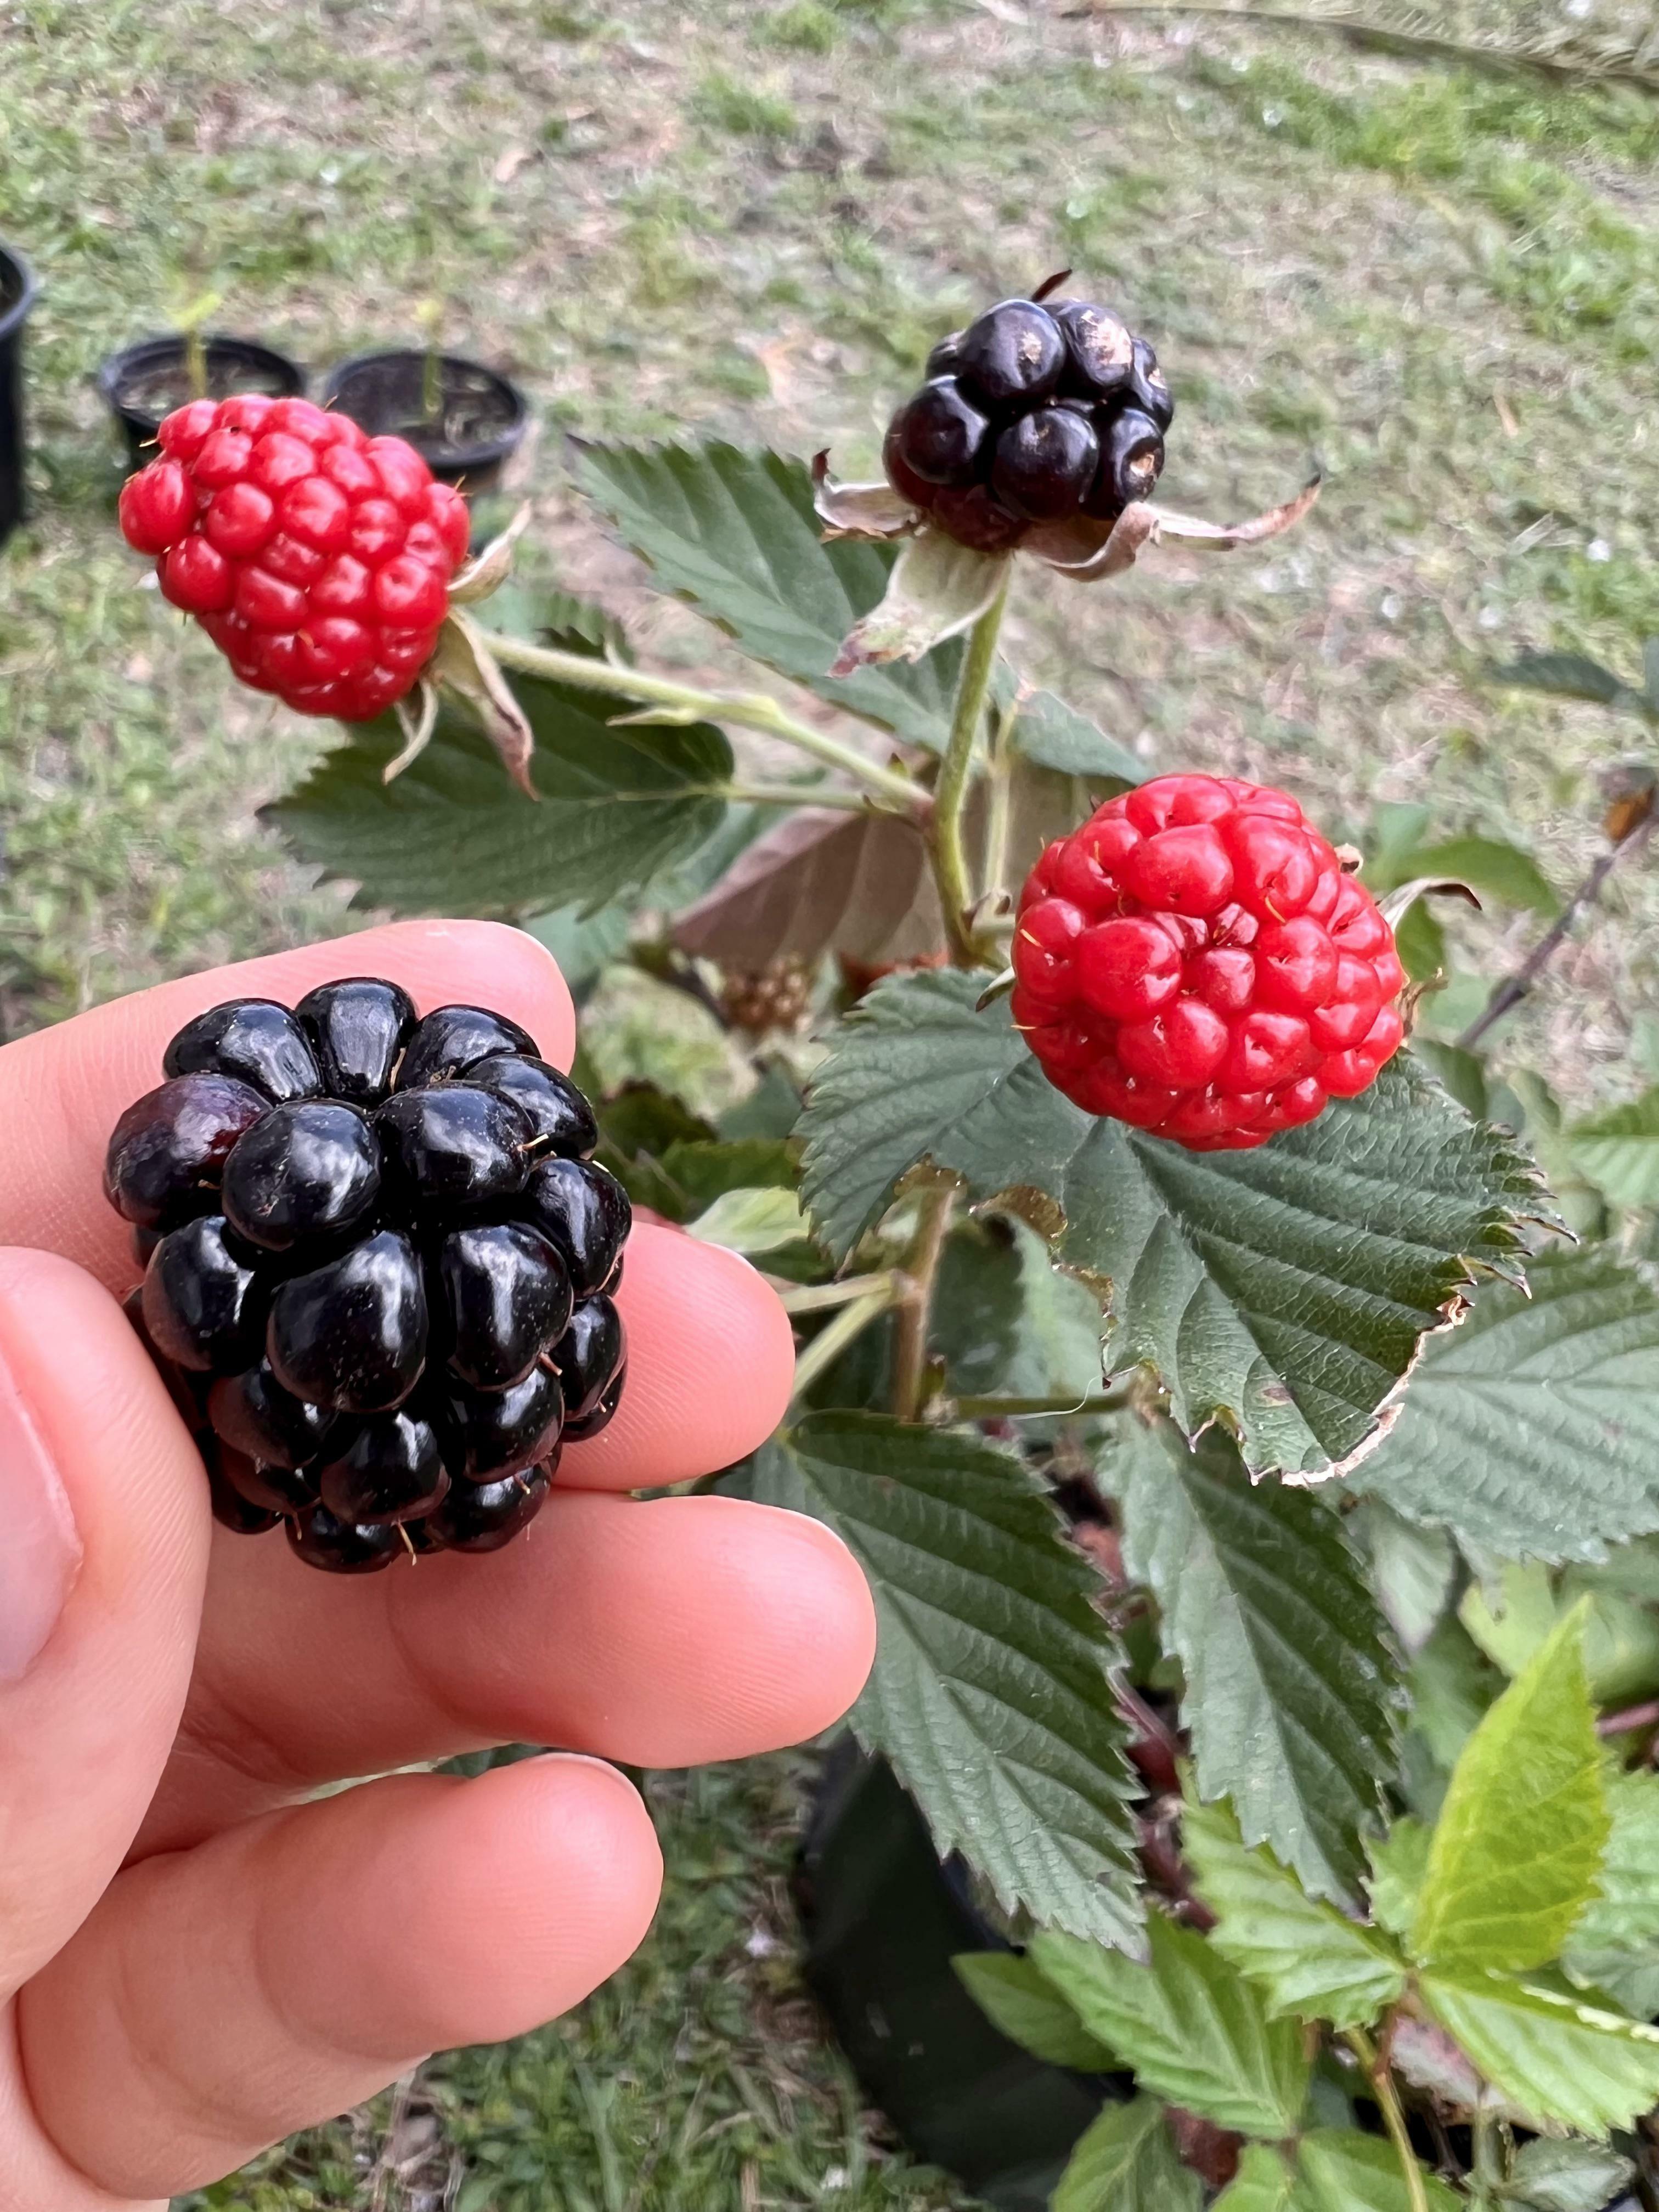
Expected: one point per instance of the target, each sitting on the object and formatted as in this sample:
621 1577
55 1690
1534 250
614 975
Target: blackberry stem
945 842
915 1303
683 702
833 1339
1394 2116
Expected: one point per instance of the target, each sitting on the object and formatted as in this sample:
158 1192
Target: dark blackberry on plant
1045 462
377 1260
1041 410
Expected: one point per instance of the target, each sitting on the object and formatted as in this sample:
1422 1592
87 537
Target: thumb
104 1529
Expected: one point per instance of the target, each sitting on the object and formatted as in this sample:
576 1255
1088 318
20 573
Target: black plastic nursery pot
17 290
882 1918
144 382
465 421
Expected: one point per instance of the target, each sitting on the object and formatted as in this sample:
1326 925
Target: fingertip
711 1362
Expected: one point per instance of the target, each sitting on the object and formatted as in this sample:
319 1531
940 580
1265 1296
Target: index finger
61 1090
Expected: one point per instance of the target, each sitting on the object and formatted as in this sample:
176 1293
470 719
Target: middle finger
660 1634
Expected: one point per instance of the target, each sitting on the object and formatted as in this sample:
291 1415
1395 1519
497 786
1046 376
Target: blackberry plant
1258 1487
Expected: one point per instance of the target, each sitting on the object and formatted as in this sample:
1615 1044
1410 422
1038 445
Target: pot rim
161 344
487 451
13 318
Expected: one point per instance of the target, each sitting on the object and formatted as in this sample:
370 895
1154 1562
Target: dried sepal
493 566
859 510
464 665
1066 547
417 727
936 590
1394 906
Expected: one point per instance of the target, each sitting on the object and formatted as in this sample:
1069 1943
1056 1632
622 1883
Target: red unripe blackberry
1194 961
318 560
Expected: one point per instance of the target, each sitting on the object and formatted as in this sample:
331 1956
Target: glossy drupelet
1196 960
317 559
1037 412
379 1261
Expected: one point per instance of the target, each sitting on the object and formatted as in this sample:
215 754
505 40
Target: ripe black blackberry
378 1267
1034 413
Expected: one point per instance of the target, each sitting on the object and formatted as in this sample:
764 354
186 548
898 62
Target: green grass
755 219
696 2080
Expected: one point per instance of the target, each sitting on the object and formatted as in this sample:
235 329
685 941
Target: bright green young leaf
1518 1844
1194 2031
1053 735
1291 1691
1014 1994
989 1693
1285 1290
1340 2170
734 531
1512 1612
1552 2176
1125 2161
1568 675
1550 2054
1007 1321
1400 1861
1303 1955
1262 2182
1615 1944
753 1221
451 835
1619 1151
1532 1430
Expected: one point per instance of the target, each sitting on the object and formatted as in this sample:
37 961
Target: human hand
193 1959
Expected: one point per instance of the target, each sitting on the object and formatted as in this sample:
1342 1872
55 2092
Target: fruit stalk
1393 2117
833 1339
945 843
916 1308
752 710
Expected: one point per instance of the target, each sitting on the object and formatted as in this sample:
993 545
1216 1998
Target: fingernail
40 1550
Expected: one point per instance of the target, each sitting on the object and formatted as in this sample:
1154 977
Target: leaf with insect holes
1292 1694
451 835
1551 2053
990 1692
1015 1996
1284 1290
734 531
1517 1846
1195 2032
1619 1149
1613 1944
1305 1957
1125 2161
1532 1430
